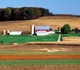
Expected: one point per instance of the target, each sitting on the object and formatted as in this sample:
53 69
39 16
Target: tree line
23 13
66 29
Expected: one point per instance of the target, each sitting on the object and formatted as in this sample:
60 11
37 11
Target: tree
23 13
15 14
1 15
66 29
7 13
76 30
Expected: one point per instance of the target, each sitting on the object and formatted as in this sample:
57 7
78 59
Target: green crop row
40 62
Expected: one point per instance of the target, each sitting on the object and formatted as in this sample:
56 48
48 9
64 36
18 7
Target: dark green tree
66 29
16 14
7 13
76 30
24 13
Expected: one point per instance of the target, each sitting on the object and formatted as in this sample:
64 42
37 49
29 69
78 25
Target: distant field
71 38
70 35
41 62
54 21
7 39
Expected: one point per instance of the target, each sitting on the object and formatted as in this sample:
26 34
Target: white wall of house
15 32
42 33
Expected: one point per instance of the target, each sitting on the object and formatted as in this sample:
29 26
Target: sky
54 6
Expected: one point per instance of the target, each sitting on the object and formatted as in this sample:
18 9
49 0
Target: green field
7 52
40 62
7 39
71 35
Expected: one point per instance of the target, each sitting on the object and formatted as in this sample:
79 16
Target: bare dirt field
42 47
37 57
41 67
54 21
76 39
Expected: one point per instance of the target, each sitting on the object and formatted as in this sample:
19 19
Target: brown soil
41 67
76 39
37 57
43 47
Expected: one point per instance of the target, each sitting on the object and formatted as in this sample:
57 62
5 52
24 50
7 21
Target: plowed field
41 67
37 57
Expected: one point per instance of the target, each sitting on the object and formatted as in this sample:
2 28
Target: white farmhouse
41 30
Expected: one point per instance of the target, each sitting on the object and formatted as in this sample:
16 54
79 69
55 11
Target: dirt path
59 38
37 57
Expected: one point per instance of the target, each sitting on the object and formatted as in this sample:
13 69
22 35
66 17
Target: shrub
66 29
76 30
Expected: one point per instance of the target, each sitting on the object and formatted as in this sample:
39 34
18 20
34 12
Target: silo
4 32
33 30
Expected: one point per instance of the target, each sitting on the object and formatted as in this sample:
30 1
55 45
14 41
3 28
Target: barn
42 30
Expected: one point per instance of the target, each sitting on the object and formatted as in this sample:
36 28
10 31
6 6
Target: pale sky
55 6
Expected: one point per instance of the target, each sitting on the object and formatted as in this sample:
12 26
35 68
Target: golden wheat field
54 21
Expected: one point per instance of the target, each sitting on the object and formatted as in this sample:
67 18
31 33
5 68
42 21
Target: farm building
41 30
15 32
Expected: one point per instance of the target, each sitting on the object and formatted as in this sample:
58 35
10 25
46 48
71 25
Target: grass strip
9 39
71 35
41 62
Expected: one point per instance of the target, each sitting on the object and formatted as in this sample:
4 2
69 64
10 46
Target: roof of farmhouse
42 27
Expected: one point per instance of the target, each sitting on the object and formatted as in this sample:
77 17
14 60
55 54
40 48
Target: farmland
74 38
71 35
40 67
46 49
13 52
41 62
18 51
54 21
7 39
27 56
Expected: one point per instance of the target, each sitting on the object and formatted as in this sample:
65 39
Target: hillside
54 21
